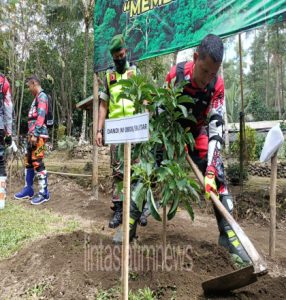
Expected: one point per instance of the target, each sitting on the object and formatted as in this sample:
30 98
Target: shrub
61 132
259 140
233 172
250 142
67 143
259 110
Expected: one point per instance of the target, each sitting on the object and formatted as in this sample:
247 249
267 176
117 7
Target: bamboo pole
69 174
94 128
242 131
164 237
272 235
226 131
126 215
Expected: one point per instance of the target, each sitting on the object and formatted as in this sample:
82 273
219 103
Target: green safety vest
119 108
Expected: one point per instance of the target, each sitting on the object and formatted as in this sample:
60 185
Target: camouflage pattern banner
156 27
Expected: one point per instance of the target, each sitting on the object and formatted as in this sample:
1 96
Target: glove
210 184
8 140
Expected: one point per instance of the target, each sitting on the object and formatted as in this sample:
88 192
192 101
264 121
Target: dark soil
78 264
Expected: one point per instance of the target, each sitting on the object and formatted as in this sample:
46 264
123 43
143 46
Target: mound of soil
254 205
77 265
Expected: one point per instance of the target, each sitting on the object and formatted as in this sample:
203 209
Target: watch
100 130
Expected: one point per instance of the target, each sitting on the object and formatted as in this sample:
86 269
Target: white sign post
132 129
273 142
125 131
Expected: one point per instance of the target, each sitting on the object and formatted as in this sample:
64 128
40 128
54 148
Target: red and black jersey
212 97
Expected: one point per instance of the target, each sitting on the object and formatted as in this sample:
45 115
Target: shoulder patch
112 77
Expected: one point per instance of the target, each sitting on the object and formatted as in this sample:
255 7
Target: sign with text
131 129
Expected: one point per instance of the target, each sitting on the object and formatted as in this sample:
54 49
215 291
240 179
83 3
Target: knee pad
227 202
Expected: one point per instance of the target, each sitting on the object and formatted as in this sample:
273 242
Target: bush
61 132
233 172
282 151
67 143
259 140
259 110
250 142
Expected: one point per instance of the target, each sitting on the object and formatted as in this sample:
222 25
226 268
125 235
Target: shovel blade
230 281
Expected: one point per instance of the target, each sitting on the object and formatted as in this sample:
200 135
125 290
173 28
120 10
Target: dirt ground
77 265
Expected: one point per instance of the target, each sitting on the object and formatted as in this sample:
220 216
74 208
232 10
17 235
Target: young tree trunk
277 72
21 99
268 73
82 138
277 91
225 119
58 112
282 85
69 106
88 10
65 102
54 107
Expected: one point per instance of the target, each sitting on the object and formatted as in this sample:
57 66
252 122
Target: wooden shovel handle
258 262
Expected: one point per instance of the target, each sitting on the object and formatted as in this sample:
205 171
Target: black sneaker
143 220
116 219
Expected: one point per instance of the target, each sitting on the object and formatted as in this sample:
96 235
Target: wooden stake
94 128
69 174
164 236
126 215
242 124
273 180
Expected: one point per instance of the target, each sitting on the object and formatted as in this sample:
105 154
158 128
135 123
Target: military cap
117 43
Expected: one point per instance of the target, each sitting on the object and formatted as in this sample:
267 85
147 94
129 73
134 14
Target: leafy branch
167 140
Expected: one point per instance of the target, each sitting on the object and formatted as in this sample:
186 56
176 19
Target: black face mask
120 64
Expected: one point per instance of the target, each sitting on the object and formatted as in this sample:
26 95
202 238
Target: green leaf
152 205
149 169
191 140
184 110
189 208
161 173
181 184
193 194
166 195
169 147
192 118
172 212
139 195
185 99
150 88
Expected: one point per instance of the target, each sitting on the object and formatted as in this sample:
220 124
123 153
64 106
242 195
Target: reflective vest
119 108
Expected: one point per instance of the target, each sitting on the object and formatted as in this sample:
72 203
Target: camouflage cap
117 43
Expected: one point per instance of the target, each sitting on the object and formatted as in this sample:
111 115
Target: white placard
273 142
131 129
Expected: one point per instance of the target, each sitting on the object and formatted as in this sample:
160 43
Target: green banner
155 27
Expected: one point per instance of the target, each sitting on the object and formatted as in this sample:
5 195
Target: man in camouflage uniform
116 108
6 120
37 136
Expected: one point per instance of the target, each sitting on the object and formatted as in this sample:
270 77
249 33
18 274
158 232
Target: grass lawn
19 225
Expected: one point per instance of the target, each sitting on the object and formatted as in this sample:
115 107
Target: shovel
244 276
